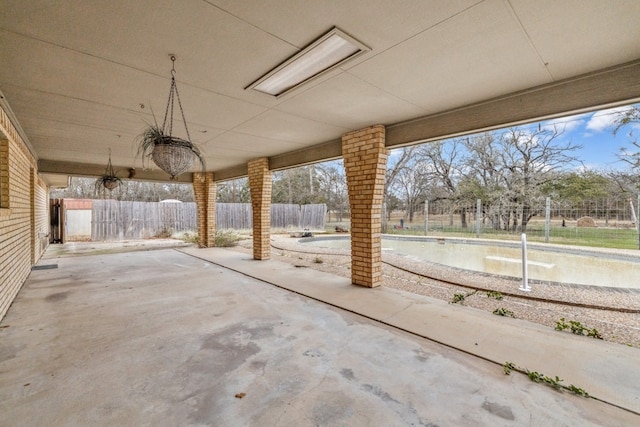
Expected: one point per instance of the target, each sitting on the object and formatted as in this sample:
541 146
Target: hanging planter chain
167 128
109 171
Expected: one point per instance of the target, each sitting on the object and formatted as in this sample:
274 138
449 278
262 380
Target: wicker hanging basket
174 159
111 183
108 180
171 154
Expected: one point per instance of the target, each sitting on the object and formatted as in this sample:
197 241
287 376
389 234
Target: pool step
519 261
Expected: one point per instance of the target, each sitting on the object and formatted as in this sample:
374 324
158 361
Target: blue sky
594 131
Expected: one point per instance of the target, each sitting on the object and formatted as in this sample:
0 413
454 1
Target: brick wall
260 187
365 161
41 218
204 189
4 174
24 213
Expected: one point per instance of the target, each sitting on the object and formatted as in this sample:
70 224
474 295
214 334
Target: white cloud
565 124
605 119
586 167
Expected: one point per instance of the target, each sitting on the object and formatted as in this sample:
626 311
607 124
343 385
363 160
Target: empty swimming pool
552 263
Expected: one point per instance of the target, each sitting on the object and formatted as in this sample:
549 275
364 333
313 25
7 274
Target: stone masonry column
365 162
204 188
260 188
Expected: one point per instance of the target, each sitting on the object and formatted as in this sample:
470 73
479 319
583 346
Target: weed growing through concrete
457 298
318 260
577 328
495 295
538 377
503 312
507 367
577 390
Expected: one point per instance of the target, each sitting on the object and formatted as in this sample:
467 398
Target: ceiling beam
330 150
318 153
91 170
231 173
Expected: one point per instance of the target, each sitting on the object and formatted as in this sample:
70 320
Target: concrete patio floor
168 337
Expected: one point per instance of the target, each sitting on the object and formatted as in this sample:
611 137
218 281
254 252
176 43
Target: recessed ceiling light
326 53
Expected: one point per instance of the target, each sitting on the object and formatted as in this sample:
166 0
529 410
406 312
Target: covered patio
81 80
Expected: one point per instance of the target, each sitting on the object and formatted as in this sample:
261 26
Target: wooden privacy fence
313 216
236 216
239 216
118 220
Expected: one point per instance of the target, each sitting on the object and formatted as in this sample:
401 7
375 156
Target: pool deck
211 337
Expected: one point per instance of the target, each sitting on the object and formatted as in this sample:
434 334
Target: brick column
260 187
365 162
204 188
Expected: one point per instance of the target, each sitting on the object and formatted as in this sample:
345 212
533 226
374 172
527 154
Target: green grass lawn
615 238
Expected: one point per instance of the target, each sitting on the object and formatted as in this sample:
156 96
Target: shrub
226 238
165 233
186 236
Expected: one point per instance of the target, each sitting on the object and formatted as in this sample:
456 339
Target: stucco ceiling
83 77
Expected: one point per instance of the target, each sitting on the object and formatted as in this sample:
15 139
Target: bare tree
332 185
234 191
442 161
142 191
411 183
398 163
295 185
531 160
484 175
629 119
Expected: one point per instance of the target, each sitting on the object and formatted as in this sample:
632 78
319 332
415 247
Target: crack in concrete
392 315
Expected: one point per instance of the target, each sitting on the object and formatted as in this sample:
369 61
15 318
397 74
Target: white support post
525 279
478 217
384 217
426 217
547 220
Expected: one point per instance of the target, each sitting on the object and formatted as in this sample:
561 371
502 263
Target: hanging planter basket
109 180
171 154
173 158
